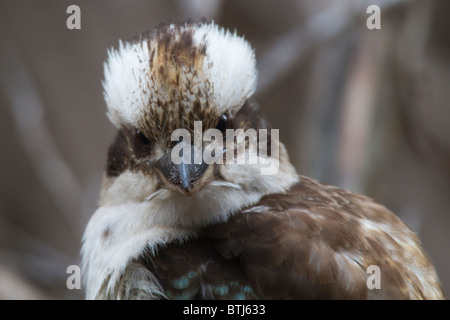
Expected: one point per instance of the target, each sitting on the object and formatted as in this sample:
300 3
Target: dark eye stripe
142 141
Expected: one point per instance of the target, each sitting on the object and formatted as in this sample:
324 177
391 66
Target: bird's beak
182 176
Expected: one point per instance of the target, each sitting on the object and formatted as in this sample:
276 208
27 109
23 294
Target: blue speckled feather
195 270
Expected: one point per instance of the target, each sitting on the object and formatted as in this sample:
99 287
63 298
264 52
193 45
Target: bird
188 229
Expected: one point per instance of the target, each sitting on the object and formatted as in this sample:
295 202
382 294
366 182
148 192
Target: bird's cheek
128 186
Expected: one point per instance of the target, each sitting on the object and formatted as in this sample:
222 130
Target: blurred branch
35 137
15 287
355 119
34 258
286 50
421 78
30 268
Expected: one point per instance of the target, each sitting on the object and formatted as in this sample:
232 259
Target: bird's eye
222 123
142 140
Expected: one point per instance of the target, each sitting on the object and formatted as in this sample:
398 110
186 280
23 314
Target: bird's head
164 90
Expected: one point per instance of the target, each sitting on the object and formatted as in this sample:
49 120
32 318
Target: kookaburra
167 229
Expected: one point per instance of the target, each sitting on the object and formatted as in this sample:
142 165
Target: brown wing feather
316 241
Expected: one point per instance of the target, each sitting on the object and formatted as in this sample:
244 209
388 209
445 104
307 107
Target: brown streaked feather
311 242
175 63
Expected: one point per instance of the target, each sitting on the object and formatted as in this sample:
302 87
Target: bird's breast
194 270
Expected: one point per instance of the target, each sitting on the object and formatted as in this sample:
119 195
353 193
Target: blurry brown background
367 110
